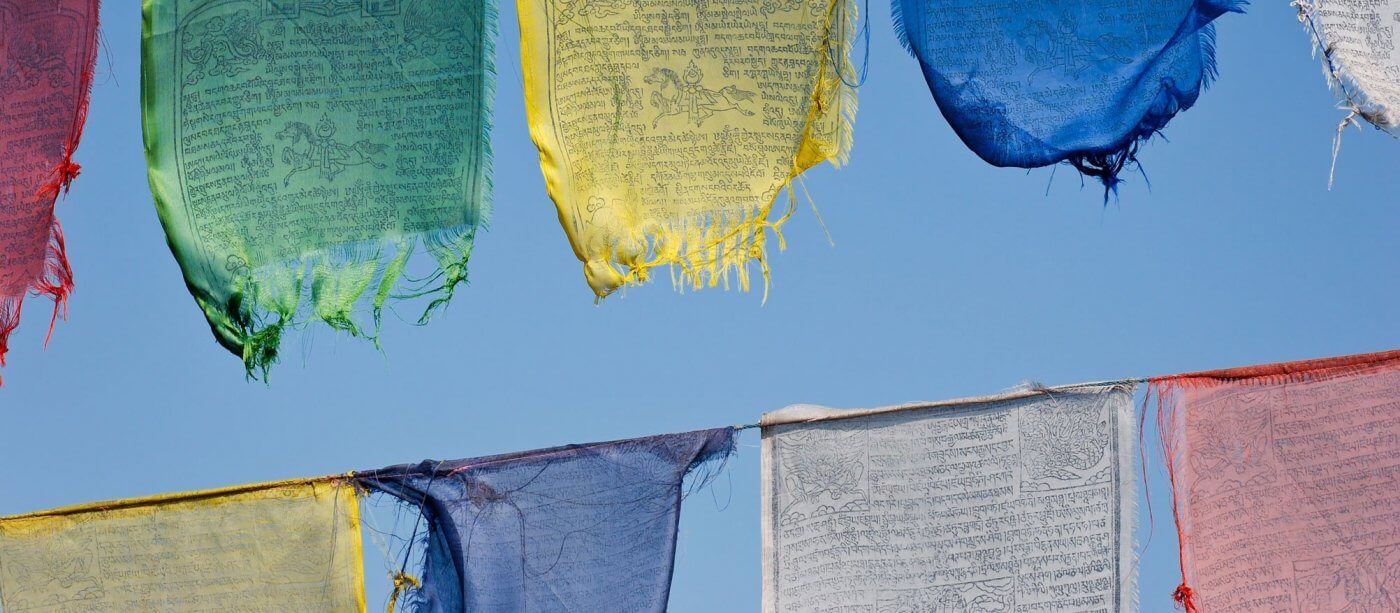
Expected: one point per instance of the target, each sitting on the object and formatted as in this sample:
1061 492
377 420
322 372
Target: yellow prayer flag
667 128
291 546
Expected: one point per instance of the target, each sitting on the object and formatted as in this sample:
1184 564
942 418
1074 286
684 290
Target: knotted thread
402 581
1185 598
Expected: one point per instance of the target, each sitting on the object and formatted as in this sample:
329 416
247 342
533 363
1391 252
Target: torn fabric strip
270 547
1360 60
577 528
300 151
1078 81
667 130
1284 484
48 49
1020 502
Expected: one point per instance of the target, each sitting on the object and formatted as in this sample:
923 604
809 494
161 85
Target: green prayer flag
300 151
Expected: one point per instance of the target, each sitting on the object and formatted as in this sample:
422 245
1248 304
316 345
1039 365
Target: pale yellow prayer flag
667 128
291 546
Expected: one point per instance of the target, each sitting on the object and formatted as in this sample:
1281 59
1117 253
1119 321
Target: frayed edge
708 251
1210 70
901 32
1129 445
276 297
1106 167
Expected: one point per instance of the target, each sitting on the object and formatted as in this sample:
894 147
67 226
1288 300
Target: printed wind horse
322 153
666 131
691 98
1060 48
300 151
1082 82
47 52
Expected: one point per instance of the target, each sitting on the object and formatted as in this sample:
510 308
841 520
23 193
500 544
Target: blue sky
949 278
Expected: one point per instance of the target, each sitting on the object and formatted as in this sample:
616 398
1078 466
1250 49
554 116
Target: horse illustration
322 153
677 95
1061 47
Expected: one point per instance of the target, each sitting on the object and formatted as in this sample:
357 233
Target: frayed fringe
699 255
716 249
901 32
55 281
276 298
1106 167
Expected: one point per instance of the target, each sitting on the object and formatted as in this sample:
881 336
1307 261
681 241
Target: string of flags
300 152
1281 477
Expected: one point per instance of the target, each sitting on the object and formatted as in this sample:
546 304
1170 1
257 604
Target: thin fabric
667 129
577 528
1021 502
1359 58
1031 84
1284 485
272 547
300 151
48 49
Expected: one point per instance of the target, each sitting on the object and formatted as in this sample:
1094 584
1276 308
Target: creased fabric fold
288 546
301 151
48 51
1283 484
577 528
1078 81
667 131
1019 502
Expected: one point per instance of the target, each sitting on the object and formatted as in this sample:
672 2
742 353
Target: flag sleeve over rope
577 528
272 547
1077 81
47 52
666 130
1022 502
300 151
1284 484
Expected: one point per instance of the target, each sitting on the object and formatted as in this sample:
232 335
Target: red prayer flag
47 52
1286 484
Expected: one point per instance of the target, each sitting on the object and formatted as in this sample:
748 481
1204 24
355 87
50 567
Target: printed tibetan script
1021 504
1289 497
294 548
1360 38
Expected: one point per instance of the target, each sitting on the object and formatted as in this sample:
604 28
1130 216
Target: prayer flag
300 151
292 546
578 528
1359 58
1078 81
1019 502
1284 484
47 52
667 130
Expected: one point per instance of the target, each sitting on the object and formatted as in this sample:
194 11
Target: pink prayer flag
47 52
1286 484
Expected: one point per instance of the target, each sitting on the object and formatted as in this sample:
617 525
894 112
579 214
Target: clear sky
949 278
